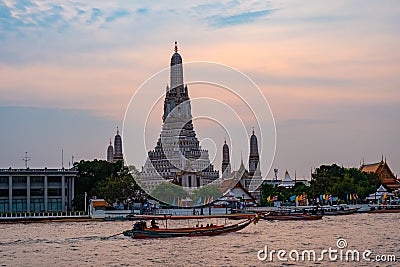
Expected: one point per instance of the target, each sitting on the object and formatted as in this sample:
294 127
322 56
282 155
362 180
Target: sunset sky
330 71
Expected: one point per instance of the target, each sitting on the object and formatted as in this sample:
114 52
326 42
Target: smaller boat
335 210
385 209
290 216
141 231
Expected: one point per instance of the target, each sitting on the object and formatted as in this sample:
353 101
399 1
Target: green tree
339 181
266 190
122 188
168 193
206 192
90 175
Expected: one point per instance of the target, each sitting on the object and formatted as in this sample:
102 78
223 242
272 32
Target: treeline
110 181
331 180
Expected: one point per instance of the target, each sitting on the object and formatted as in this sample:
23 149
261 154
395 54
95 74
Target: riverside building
36 190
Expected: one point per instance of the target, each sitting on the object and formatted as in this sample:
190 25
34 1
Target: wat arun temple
178 156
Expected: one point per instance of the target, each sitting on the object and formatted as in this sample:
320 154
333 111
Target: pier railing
50 214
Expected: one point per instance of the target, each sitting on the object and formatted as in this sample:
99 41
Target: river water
90 244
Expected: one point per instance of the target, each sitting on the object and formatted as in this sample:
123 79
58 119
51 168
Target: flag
351 196
356 196
321 197
275 198
304 197
199 201
293 198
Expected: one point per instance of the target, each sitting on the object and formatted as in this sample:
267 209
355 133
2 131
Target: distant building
226 165
177 156
114 154
110 152
385 174
287 181
251 179
236 189
36 190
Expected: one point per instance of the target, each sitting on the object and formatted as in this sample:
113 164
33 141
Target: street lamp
276 177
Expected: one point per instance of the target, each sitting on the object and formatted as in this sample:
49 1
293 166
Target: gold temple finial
117 130
253 130
224 140
176 47
110 142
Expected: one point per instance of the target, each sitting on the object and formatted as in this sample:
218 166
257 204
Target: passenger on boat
154 224
139 225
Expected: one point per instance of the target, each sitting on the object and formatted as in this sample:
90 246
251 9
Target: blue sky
329 70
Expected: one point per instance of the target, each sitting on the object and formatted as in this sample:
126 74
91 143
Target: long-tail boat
290 216
141 231
385 209
337 210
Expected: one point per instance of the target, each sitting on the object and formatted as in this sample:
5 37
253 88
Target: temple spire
226 169
253 157
176 47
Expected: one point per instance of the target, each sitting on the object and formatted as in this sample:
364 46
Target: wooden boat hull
292 217
338 212
385 211
189 232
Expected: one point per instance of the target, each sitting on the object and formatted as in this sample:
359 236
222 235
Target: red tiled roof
370 167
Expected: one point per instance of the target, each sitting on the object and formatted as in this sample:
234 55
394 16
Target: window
37 204
3 179
190 181
19 205
54 192
4 205
37 192
54 179
37 179
54 204
19 192
3 192
19 180
198 182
